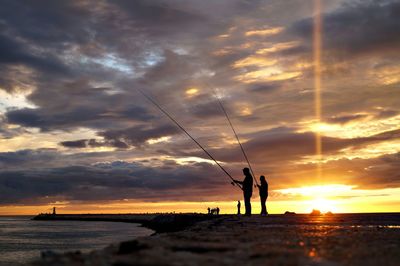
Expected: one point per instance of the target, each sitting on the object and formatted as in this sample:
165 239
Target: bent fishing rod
190 136
236 135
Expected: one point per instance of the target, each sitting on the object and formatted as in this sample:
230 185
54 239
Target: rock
176 222
130 247
48 254
315 213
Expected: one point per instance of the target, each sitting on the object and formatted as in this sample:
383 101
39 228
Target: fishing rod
236 135
190 136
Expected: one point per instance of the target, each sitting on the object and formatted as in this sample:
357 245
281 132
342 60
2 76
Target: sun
325 198
323 205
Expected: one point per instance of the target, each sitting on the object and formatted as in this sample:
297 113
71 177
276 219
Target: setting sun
323 205
321 197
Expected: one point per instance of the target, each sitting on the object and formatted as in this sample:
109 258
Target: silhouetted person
217 210
247 187
238 207
209 210
263 189
54 210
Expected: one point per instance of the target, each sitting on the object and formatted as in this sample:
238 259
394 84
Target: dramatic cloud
137 135
281 146
346 118
74 126
82 143
109 181
358 27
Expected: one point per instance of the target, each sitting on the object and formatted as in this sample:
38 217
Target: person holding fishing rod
247 187
247 183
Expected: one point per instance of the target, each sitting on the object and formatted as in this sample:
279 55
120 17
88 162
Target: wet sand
341 239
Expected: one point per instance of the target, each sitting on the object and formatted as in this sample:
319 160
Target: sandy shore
356 239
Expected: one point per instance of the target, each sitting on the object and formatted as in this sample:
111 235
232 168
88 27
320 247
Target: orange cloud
264 32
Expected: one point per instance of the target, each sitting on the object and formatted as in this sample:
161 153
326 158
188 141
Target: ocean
22 240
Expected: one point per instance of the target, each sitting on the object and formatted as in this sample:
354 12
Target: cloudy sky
75 133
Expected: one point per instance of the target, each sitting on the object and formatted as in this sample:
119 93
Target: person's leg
262 205
263 210
247 205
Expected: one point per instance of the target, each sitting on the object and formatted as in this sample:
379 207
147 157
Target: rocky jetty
127 218
157 222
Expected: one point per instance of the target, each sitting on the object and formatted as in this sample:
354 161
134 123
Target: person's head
262 178
246 171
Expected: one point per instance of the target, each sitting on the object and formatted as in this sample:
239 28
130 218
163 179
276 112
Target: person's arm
238 182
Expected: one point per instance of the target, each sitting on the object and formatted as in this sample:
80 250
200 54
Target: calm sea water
22 240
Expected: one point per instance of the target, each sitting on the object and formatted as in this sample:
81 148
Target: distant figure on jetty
238 207
54 210
213 211
247 187
263 189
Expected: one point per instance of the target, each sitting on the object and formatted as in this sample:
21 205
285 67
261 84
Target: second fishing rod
234 132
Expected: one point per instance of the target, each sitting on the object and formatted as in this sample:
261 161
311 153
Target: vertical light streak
317 47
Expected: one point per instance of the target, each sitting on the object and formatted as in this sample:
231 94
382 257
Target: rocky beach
292 239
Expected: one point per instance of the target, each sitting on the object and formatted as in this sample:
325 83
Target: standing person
238 207
247 187
263 189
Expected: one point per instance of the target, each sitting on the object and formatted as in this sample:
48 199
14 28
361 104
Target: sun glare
323 127
320 198
317 50
323 205
190 92
355 129
318 191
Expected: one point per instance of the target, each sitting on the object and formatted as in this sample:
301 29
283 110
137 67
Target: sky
75 132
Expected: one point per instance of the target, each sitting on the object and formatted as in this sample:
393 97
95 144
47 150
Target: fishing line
236 135
190 136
